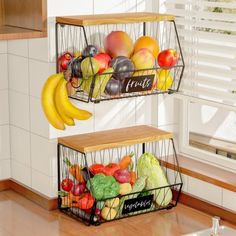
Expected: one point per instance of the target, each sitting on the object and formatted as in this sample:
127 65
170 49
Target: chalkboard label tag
138 83
137 204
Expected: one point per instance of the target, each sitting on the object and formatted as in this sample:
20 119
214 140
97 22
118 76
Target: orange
149 43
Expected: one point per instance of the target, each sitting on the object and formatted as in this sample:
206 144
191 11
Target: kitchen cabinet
23 19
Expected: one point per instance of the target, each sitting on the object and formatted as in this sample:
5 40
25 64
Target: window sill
205 172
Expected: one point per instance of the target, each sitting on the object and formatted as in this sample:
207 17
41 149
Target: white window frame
196 153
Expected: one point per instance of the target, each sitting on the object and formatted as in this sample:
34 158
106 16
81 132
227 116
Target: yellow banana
67 120
47 101
68 108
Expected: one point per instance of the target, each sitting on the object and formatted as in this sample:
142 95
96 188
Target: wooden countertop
26 216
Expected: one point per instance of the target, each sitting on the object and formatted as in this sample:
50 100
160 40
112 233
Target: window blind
207 31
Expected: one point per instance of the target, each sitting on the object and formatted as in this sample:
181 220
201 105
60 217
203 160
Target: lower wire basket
117 182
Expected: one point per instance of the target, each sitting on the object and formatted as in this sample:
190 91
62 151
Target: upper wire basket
106 57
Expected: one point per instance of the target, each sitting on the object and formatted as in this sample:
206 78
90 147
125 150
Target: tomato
110 169
67 184
64 60
86 201
96 168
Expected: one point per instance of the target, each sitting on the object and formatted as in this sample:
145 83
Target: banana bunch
57 106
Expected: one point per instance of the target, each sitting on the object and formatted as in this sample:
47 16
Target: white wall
79 7
4 114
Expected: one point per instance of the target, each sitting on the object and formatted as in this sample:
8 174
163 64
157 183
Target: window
207 30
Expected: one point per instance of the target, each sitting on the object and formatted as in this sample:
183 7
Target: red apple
64 60
167 58
103 60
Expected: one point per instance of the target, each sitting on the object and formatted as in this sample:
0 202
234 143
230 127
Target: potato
113 203
125 188
108 213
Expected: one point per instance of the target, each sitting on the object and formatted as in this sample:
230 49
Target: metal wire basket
75 34
93 201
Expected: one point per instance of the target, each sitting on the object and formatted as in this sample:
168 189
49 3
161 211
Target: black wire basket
118 56
114 174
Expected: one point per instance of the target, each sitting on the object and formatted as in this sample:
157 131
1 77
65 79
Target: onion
78 189
122 176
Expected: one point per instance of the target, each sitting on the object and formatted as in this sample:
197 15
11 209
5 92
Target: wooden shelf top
114 138
10 32
118 18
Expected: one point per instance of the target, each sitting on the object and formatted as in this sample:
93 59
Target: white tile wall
51 38
4 72
3 46
38 122
18 47
5 169
111 6
19 110
44 184
130 5
229 200
206 191
38 74
144 110
4 107
69 7
167 110
143 5
113 114
38 49
80 127
21 173
20 145
174 178
4 142
44 155
170 128
18 73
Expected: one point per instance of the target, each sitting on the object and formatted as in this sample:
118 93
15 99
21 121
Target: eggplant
87 174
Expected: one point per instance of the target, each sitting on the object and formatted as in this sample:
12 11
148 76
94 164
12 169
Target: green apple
89 67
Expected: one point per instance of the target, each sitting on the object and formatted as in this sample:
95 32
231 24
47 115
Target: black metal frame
91 221
132 95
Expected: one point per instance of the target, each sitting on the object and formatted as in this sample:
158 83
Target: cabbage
149 166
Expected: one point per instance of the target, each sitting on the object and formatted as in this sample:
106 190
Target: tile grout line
29 115
222 202
28 166
29 58
9 113
29 131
